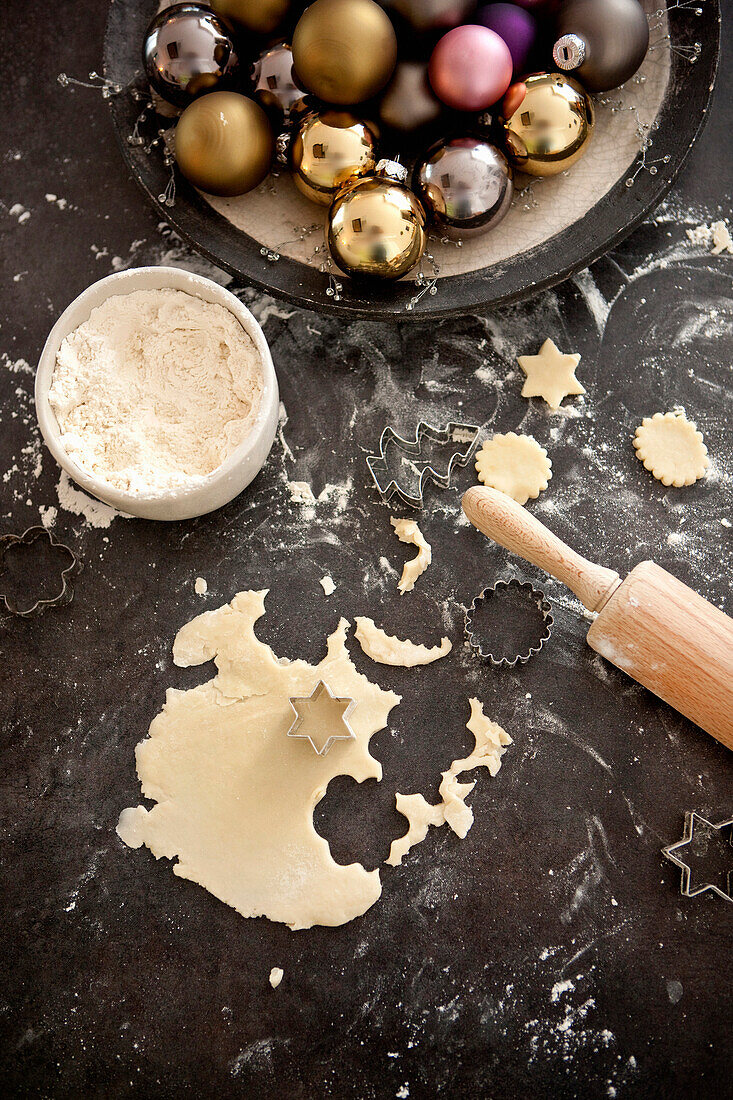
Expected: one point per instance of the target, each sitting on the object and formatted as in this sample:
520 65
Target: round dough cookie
514 464
671 448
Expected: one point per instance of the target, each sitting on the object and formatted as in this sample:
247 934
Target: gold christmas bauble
552 125
376 227
344 51
260 16
330 149
224 143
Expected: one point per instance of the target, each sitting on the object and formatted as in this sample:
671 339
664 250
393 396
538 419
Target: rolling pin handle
513 527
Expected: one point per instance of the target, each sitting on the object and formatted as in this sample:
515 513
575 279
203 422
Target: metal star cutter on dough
496 591
315 726
66 591
409 480
671 852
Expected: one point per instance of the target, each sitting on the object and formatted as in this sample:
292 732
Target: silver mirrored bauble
465 185
187 51
275 89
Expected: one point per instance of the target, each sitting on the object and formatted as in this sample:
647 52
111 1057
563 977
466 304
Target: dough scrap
550 375
490 744
388 650
514 464
234 795
408 531
327 584
276 976
671 448
200 586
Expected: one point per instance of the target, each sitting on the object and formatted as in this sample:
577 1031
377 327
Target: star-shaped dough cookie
514 464
671 448
550 375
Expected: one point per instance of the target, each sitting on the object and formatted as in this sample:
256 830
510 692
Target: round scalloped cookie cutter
535 595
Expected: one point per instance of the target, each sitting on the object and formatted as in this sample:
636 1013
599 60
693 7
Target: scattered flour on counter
48 515
16 366
276 976
17 210
200 586
328 585
716 234
301 492
78 503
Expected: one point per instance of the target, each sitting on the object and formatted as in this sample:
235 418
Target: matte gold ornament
344 51
224 143
376 226
551 127
330 149
260 16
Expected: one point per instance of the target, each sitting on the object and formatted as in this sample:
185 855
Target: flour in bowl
155 390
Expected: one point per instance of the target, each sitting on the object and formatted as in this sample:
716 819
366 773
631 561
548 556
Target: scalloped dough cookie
671 448
514 464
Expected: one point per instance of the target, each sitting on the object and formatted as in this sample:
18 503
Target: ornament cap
569 52
391 170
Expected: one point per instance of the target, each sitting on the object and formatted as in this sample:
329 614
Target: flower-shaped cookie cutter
494 591
66 593
461 437
671 852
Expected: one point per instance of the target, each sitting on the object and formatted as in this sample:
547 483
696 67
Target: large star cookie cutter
533 595
671 853
312 728
62 597
459 439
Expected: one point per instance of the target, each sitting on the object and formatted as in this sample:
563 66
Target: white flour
155 390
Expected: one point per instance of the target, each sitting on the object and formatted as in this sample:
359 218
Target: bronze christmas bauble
344 51
188 50
274 87
260 16
550 127
330 149
376 227
224 143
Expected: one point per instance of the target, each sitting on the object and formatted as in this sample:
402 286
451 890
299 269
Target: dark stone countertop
549 953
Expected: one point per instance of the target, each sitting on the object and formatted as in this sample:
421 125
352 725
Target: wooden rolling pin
651 626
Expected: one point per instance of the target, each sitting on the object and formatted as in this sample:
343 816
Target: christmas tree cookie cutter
533 595
322 738
63 596
459 441
671 852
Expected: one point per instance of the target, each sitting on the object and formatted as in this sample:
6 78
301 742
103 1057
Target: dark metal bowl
679 122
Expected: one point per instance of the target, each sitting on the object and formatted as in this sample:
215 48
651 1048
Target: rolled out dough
234 794
388 650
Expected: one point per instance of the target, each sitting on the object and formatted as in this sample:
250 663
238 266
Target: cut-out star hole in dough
550 375
671 448
234 796
408 531
514 464
321 718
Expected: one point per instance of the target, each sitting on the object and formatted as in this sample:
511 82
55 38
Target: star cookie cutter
671 850
65 596
543 606
463 436
323 743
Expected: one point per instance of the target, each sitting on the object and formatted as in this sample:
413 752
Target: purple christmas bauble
517 27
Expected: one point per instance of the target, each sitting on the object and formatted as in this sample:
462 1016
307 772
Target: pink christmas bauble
470 68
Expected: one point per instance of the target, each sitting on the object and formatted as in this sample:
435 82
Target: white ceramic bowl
242 465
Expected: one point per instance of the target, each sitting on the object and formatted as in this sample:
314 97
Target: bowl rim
680 119
151 277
